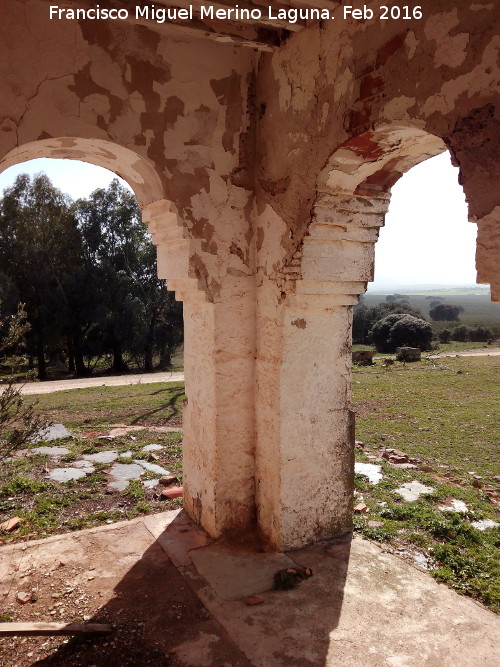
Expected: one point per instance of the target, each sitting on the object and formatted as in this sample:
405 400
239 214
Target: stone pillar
219 342
305 477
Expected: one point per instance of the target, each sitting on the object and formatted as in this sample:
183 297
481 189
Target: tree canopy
445 312
86 272
401 330
365 317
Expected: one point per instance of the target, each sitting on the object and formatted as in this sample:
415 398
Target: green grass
445 414
444 411
147 404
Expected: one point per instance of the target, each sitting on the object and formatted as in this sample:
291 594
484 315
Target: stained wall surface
264 174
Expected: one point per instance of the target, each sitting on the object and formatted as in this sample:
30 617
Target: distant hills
428 289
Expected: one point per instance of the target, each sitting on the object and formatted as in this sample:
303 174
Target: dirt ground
33 388
117 575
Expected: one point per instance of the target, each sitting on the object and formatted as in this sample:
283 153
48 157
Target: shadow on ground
158 619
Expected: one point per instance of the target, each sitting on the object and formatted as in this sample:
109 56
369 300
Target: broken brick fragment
10 524
173 492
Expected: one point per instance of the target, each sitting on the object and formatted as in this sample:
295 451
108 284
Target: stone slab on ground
370 470
67 474
152 448
101 457
54 432
411 491
125 471
234 574
118 485
54 452
485 524
152 467
454 505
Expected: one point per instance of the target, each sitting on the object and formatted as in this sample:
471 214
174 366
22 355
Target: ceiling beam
281 24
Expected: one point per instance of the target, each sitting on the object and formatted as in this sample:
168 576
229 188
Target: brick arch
376 159
161 216
139 173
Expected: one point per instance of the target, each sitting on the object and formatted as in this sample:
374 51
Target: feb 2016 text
236 13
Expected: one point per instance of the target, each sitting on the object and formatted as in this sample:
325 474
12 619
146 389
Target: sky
426 240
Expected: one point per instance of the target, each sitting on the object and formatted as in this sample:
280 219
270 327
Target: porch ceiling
265 34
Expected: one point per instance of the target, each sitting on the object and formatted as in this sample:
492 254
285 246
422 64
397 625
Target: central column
219 360
305 471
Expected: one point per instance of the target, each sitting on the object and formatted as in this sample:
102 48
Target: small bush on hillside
445 312
400 330
444 336
479 334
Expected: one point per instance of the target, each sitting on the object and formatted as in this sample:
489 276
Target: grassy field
46 507
445 413
137 404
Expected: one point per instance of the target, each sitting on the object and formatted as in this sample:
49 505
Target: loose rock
10 524
253 600
361 507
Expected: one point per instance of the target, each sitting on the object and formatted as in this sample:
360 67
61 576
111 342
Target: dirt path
106 381
147 378
490 352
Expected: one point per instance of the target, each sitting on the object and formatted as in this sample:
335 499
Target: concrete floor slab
177 534
234 574
361 608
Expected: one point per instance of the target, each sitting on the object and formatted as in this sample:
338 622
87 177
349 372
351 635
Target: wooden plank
40 628
199 30
244 4
259 37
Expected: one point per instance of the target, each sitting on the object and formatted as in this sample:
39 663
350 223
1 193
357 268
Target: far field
477 304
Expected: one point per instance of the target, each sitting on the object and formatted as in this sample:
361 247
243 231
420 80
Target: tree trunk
148 357
71 355
81 369
119 366
149 348
40 354
165 357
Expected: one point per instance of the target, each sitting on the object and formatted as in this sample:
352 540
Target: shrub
445 312
400 330
444 336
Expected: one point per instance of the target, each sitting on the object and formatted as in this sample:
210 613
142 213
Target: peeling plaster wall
172 117
358 104
327 85
181 106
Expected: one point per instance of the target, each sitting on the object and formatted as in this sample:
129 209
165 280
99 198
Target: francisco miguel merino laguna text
162 14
